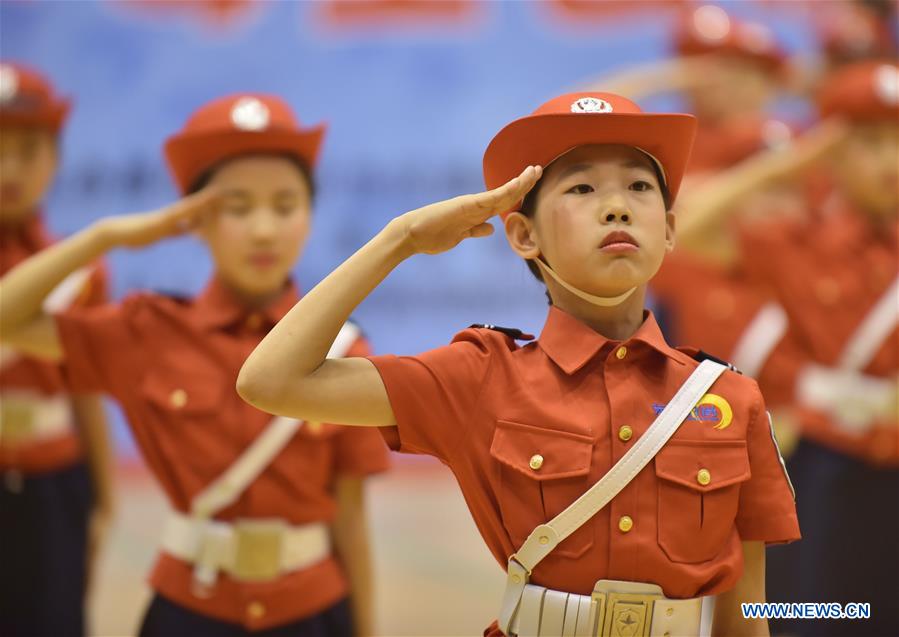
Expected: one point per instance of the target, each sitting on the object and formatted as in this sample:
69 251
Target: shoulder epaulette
512 332
703 356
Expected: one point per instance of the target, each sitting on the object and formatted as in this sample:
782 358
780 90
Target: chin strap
602 301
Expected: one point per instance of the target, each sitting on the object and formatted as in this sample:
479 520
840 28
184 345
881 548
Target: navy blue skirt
43 551
849 552
165 618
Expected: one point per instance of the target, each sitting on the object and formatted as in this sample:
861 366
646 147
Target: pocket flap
703 465
539 453
193 395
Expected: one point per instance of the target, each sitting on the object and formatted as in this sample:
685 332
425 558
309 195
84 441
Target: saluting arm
706 205
288 372
660 76
23 323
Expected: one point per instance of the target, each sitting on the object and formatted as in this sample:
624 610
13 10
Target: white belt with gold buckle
249 550
31 417
615 609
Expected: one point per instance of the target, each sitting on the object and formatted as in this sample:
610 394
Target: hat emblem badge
591 105
9 83
886 84
249 114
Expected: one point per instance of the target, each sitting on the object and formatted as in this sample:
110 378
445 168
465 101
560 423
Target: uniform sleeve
360 451
767 508
434 395
101 347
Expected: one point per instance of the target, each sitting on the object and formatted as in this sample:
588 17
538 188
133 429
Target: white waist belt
30 417
856 402
248 550
615 609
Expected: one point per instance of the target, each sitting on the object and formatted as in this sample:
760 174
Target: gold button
669 611
536 461
544 539
703 477
625 524
516 579
625 433
178 398
256 610
621 352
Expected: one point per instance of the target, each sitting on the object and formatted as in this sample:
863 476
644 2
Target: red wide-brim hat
580 119
238 125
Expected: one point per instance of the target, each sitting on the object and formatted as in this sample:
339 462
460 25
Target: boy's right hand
441 226
145 228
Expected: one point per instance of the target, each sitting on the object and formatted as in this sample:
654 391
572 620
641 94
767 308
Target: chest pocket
699 493
185 397
542 471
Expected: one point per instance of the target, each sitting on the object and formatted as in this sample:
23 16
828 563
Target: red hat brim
540 139
50 116
190 155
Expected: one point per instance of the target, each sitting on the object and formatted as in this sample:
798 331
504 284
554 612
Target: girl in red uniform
53 444
267 533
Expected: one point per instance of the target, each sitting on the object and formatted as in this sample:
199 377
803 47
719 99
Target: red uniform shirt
32 378
172 365
828 274
488 408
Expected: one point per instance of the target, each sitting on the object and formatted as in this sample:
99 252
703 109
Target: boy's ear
669 231
521 235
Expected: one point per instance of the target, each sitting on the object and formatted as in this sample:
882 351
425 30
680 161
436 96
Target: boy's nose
617 214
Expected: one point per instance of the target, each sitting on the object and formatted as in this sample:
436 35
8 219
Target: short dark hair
529 209
206 176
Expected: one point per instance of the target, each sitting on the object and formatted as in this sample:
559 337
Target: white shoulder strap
759 339
874 330
227 488
68 290
546 537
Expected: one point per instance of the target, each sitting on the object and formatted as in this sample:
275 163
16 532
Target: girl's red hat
27 99
238 125
866 91
710 30
579 119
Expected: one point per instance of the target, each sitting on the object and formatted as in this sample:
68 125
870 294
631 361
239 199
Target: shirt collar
571 344
218 307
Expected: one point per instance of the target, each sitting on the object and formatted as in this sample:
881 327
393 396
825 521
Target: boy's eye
581 189
641 186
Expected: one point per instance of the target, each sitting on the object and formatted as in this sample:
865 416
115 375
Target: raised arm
659 76
288 373
23 322
706 205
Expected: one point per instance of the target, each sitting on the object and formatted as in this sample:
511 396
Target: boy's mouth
619 241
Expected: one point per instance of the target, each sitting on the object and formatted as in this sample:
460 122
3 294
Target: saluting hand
441 226
145 228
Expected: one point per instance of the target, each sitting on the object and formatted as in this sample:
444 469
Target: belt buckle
259 545
620 614
16 421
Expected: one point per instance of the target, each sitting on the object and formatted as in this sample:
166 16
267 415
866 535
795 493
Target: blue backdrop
410 111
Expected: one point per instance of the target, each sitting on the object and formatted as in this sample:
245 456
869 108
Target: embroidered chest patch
712 410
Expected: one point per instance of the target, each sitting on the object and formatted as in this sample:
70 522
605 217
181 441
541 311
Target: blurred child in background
267 534
55 494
